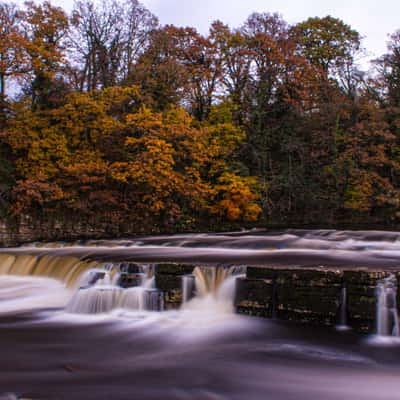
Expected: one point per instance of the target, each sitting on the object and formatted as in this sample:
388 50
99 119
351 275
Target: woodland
108 117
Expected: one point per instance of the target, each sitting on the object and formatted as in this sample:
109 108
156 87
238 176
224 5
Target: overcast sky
373 19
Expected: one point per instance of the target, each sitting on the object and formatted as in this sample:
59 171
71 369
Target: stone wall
27 229
312 296
169 281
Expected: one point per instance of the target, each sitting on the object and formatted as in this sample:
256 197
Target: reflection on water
59 341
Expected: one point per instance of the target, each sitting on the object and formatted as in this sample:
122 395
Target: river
58 341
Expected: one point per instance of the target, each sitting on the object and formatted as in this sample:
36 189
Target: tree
105 150
12 54
45 27
327 42
160 71
235 63
368 165
333 46
387 86
107 39
60 153
204 71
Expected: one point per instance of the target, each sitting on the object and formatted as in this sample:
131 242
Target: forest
108 117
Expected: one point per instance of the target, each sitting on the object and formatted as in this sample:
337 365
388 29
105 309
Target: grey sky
371 18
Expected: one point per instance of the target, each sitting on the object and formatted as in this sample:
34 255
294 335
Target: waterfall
387 319
102 294
187 287
342 326
95 299
143 297
139 298
64 268
214 290
98 285
209 279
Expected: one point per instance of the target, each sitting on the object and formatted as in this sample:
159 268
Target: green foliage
327 42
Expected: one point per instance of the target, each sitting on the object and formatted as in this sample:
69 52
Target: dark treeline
108 117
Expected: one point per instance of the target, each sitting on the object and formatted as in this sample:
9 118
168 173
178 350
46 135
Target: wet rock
255 297
261 273
308 296
96 276
127 280
171 286
130 268
174 269
311 295
361 298
169 281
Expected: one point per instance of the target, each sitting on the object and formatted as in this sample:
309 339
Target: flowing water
387 315
69 330
343 311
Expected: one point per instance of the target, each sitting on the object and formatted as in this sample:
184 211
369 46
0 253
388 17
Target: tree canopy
105 115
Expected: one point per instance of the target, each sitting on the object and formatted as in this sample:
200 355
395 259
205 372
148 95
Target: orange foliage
93 153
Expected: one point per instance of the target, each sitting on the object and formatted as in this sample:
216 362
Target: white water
215 292
187 287
209 279
20 294
387 316
209 312
204 316
343 311
103 295
202 351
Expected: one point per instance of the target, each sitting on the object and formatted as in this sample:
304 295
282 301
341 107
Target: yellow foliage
358 195
161 164
238 199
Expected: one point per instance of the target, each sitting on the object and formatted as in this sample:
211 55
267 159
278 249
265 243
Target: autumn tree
115 113
278 92
387 85
160 71
59 152
235 64
333 46
105 150
12 50
204 70
368 165
45 27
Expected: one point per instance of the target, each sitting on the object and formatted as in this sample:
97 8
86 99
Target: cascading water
64 268
144 297
387 315
187 287
214 290
203 350
209 279
104 294
342 326
95 299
